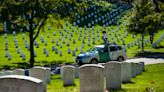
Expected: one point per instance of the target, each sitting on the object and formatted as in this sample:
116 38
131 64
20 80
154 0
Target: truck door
113 53
104 55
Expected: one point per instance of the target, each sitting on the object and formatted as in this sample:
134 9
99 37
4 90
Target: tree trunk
151 38
156 5
142 42
129 2
32 61
31 50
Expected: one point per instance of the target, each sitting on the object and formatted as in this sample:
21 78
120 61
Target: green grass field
115 34
151 80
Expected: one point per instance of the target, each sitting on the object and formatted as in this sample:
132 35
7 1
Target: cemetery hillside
41 40
64 37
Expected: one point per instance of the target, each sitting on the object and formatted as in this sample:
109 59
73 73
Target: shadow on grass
159 47
6 67
130 82
57 62
116 90
23 65
48 64
149 54
69 85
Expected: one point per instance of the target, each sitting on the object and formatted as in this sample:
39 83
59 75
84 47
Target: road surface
146 60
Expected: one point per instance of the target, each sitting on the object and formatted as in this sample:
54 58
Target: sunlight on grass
150 79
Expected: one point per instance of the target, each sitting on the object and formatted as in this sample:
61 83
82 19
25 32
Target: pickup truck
102 54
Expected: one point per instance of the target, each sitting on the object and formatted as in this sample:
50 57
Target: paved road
147 60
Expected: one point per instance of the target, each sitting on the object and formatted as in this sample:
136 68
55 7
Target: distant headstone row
154 45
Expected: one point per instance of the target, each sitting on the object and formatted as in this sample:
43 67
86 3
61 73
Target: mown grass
151 80
53 58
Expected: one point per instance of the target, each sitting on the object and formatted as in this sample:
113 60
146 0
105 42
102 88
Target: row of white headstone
19 51
154 45
113 14
92 75
16 81
61 45
37 45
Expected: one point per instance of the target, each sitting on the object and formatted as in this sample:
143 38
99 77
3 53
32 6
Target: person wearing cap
104 37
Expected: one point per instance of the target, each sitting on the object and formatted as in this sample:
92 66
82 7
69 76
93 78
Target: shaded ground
149 54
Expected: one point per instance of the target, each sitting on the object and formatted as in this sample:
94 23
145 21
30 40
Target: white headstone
8 72
47 55
77 70
23 57
60 45
1 73
9 57
56 51
76 49
60 53
53 48
73 53
44 50
125 71
53 40
19 72
137 68
68 75
113 75
15 83
133 69
142 66
91 78
40 73
48 71
69 51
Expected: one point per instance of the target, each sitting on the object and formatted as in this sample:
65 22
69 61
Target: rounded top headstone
32 79
92 65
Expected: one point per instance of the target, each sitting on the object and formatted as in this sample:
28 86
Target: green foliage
20 13
153 22
145 19
29 16
141 8
1 27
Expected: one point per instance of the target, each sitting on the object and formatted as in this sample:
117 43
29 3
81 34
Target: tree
153 22
144 18
157 5
29 16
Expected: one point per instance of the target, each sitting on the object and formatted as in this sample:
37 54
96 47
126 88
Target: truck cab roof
102 46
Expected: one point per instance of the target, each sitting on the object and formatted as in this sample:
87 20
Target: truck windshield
95 49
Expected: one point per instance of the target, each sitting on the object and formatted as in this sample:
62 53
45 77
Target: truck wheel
120 59
80 64
94 61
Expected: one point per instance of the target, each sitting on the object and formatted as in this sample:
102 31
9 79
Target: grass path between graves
151 80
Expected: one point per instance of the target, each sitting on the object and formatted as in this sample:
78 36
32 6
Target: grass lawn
68 34
151 80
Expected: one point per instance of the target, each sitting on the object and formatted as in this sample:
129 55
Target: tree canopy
145 19
31 15
28 16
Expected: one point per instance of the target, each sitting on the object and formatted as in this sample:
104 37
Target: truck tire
120 59
94 61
